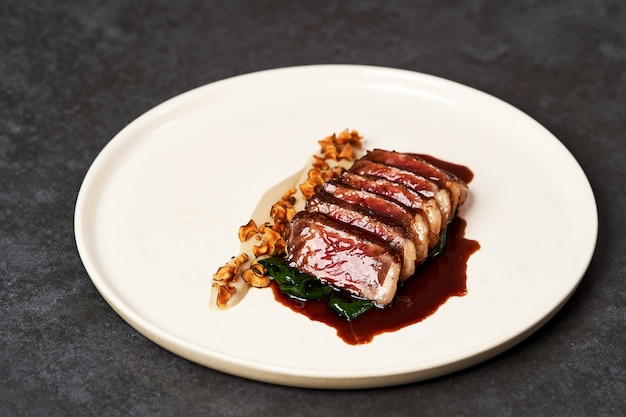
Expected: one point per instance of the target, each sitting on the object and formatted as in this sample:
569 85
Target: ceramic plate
159 210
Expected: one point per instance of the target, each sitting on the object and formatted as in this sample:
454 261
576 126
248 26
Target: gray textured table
72 74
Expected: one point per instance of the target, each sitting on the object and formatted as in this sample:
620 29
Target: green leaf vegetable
348 307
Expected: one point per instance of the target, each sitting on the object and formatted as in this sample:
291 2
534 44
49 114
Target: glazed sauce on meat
434 282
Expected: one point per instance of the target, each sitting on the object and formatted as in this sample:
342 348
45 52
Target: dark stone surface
73 73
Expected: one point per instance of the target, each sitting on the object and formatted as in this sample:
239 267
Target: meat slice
402 195
411 218
366 231
344 256
386 228
413 163
414 182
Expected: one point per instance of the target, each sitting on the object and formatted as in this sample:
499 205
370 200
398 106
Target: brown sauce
420 296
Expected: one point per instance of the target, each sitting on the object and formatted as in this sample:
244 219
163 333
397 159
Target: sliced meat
367 230
386 228
382 205
416 183
344 256
413 163
402 195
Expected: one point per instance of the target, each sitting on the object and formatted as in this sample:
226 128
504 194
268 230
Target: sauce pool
433 283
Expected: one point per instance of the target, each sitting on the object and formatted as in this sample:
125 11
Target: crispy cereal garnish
313 181
247 231
319 163
282 210
229 271
255 276
337 147
224 293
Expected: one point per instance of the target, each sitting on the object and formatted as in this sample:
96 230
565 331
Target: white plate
159 210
